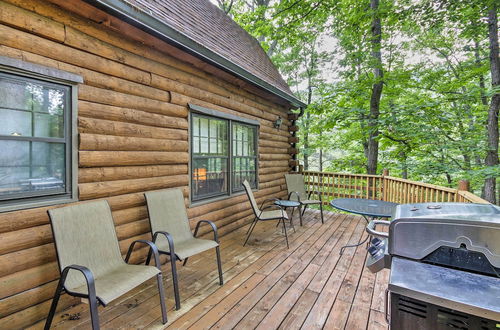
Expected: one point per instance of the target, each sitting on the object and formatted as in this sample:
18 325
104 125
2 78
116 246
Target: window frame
209 113
47 76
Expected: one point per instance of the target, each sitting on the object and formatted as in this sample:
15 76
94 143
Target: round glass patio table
368 208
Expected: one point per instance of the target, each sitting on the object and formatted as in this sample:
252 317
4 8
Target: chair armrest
268 200
315 192
296 193
270 206
214 228
152 246
89 278
170 240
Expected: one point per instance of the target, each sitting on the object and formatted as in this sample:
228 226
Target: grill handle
370 228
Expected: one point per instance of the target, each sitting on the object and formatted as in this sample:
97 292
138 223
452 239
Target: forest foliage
434 65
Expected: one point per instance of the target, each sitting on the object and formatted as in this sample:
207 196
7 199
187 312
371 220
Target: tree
378 85
492 124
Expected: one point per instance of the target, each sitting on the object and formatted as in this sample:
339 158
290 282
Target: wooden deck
267 286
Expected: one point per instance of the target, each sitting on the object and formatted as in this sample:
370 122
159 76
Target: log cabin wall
133 136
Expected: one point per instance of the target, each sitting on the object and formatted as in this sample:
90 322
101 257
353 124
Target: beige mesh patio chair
90 260
172 233
297 192
262 215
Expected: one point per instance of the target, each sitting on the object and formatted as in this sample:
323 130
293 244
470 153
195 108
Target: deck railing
382 187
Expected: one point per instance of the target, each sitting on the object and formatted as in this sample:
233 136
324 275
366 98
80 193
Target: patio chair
297 192
262 215
172 233
90 260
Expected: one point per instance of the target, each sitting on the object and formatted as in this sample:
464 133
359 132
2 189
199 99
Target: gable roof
202 29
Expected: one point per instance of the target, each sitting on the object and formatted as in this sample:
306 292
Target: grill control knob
376 242
373 250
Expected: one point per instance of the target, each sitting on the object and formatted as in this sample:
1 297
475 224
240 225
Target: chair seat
274 214
121 280
310 201
187 248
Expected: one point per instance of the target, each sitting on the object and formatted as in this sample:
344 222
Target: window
36 162
223 153
244 157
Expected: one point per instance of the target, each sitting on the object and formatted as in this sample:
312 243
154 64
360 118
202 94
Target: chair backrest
295 182
167 212
85 235
251 198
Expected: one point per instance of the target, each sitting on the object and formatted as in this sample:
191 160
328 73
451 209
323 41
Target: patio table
284 203
369 209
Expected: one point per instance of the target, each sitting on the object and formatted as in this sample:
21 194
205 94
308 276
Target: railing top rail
472 198
422 184
343 174
465 195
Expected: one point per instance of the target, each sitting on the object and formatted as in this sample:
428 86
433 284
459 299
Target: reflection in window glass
210 157
244 156
213 148
33 141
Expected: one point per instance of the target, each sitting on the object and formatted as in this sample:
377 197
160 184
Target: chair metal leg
321 209
53 307
219 265
286 236
300 214
159 279
304 211
252 224
174 280
185 262
250 230
94 315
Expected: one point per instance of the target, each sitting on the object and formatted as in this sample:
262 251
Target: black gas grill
445 265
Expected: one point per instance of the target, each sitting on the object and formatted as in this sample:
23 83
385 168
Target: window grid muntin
208 156
231 123
243 140
66 140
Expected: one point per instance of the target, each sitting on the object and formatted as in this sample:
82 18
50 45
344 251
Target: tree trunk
306 141
372 154
404 165
492 125
321 159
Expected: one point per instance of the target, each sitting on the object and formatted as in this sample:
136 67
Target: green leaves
436 81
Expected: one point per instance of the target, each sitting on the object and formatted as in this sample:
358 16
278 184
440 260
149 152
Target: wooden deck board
267 286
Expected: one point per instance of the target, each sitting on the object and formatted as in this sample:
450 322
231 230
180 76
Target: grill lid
417 230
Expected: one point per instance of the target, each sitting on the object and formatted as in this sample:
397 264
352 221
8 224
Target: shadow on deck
267 286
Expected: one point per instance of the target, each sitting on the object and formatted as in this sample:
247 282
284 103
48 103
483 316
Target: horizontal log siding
133 137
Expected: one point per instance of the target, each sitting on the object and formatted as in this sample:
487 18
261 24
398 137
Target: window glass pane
15 123
213 139
204 145
14 94
31 167
47 125
209 177
244 156
243 169
204 127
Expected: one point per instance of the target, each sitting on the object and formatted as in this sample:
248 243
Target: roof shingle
207 25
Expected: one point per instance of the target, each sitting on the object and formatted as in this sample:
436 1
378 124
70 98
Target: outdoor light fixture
278 122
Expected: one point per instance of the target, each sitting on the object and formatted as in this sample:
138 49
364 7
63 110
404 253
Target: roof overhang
159 29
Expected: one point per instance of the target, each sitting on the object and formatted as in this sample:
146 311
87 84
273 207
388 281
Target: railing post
301 168
463 185
385 188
